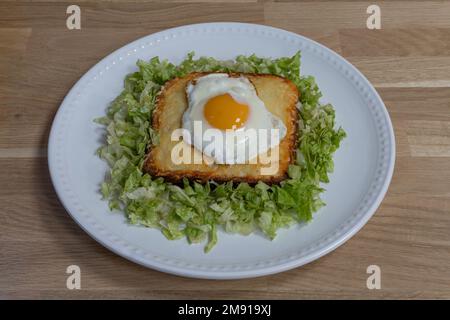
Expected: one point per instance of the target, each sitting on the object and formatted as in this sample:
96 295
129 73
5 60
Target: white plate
363 165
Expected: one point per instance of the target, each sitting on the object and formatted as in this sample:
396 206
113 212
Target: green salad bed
196 211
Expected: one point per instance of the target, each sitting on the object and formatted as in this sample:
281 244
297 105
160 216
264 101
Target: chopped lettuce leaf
196 211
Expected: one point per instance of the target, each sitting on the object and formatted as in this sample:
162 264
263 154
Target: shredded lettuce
194 210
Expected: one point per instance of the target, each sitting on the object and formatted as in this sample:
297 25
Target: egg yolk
223 112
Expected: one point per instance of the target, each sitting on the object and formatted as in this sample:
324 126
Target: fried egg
229 106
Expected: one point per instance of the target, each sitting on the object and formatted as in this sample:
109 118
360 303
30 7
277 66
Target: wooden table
408 61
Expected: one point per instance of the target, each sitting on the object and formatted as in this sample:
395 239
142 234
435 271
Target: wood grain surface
408 61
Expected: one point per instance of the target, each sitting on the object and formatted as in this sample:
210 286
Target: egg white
236 147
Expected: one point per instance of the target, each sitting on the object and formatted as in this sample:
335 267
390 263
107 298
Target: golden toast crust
158 165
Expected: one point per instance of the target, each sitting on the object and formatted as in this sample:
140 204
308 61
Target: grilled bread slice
280 97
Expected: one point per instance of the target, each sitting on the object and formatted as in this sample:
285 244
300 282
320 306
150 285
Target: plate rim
120 248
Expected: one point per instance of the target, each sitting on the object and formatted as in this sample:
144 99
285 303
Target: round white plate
363 165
